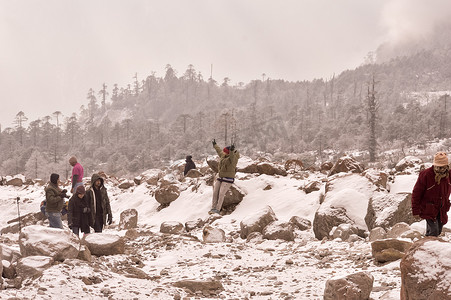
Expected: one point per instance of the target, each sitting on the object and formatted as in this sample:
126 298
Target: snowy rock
389 249
84 254
264 168
411 234
378 178
233 196
105 244
168 179
397 230
38 240
151 176
193 173
128 219
33 266
300 223
255 237
388 209
171 227
326 166
213 163
408 162
279 230
346 164
355 286
15 182
126 184
9 254
426 270
213 235
312 186
377 233
257 222
191 225
324 221
167 193
9 270
204 287
25 220
343 231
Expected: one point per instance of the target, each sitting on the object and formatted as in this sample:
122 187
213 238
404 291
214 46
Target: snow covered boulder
128 219
279 230
33 266
312 186
389 249
15 182
270 169
126 184
426 270
191 225
105 244
345 201
385 210
167 193
346 164
193 173
300 223
257 222
84 254
9 270
151 177
377 233
397 230
233 196
171 227
38 240
213 235
9 254
357 286
343 231
378 178
408 162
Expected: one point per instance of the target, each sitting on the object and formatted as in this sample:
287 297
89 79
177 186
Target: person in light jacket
228 159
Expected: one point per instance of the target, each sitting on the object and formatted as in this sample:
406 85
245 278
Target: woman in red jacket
430 196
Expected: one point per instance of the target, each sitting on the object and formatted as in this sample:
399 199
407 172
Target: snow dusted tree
372 111
19 121
92 104
103 94
37 166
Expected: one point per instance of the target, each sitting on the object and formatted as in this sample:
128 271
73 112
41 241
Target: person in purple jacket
77 174
430 195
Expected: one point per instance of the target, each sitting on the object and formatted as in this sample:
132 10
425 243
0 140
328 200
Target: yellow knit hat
440 159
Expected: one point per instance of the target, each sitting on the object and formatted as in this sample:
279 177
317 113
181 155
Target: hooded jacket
189 165
76 216
55 201
227 162
429 198
91 199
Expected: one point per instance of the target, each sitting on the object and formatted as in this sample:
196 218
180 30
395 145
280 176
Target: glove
70 226
232 147
110 219
86 210
213 142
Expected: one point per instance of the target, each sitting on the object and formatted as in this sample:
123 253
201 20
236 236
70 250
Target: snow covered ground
247 270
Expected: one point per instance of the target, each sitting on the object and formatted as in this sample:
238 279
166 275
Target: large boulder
389 249
15 182
233 196
257 222
105 244
378 178
312 186
33 266
426 270
346 164
167 193
279 230
38 240
355 286
325 220
264 168
408 162
171 227
213 235
386 210
128 219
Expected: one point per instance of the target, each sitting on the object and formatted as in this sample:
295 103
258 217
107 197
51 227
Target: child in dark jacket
79 212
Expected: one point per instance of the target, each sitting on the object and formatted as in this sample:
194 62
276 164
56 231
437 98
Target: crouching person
79 213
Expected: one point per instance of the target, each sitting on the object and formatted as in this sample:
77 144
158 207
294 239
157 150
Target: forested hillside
153 120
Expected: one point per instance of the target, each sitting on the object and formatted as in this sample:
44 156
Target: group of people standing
86 208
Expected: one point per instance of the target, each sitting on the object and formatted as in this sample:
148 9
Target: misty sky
53 51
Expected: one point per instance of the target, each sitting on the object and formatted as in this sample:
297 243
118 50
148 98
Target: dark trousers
434 227
98 224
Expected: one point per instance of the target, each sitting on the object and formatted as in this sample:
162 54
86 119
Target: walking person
99 203
79 213
77 173
54 197
430 195
228 159
189 164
